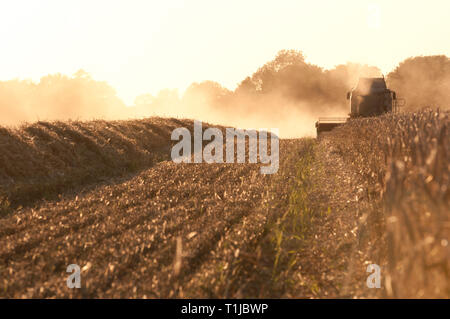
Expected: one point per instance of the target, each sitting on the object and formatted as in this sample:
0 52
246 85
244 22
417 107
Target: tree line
286 82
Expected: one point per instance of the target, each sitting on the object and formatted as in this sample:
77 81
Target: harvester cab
370 97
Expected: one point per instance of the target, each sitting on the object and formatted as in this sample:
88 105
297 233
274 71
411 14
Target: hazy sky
144 46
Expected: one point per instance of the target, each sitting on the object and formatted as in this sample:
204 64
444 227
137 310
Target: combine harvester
371 97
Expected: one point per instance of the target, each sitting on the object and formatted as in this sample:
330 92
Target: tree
58 96
207 93
423 81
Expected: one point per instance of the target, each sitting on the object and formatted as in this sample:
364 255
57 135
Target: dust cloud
286 93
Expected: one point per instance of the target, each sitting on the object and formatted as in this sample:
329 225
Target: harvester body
370 97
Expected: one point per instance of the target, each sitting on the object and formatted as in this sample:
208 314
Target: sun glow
143 46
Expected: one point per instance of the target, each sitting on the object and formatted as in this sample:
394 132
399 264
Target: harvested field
159 229
124 233
44 159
